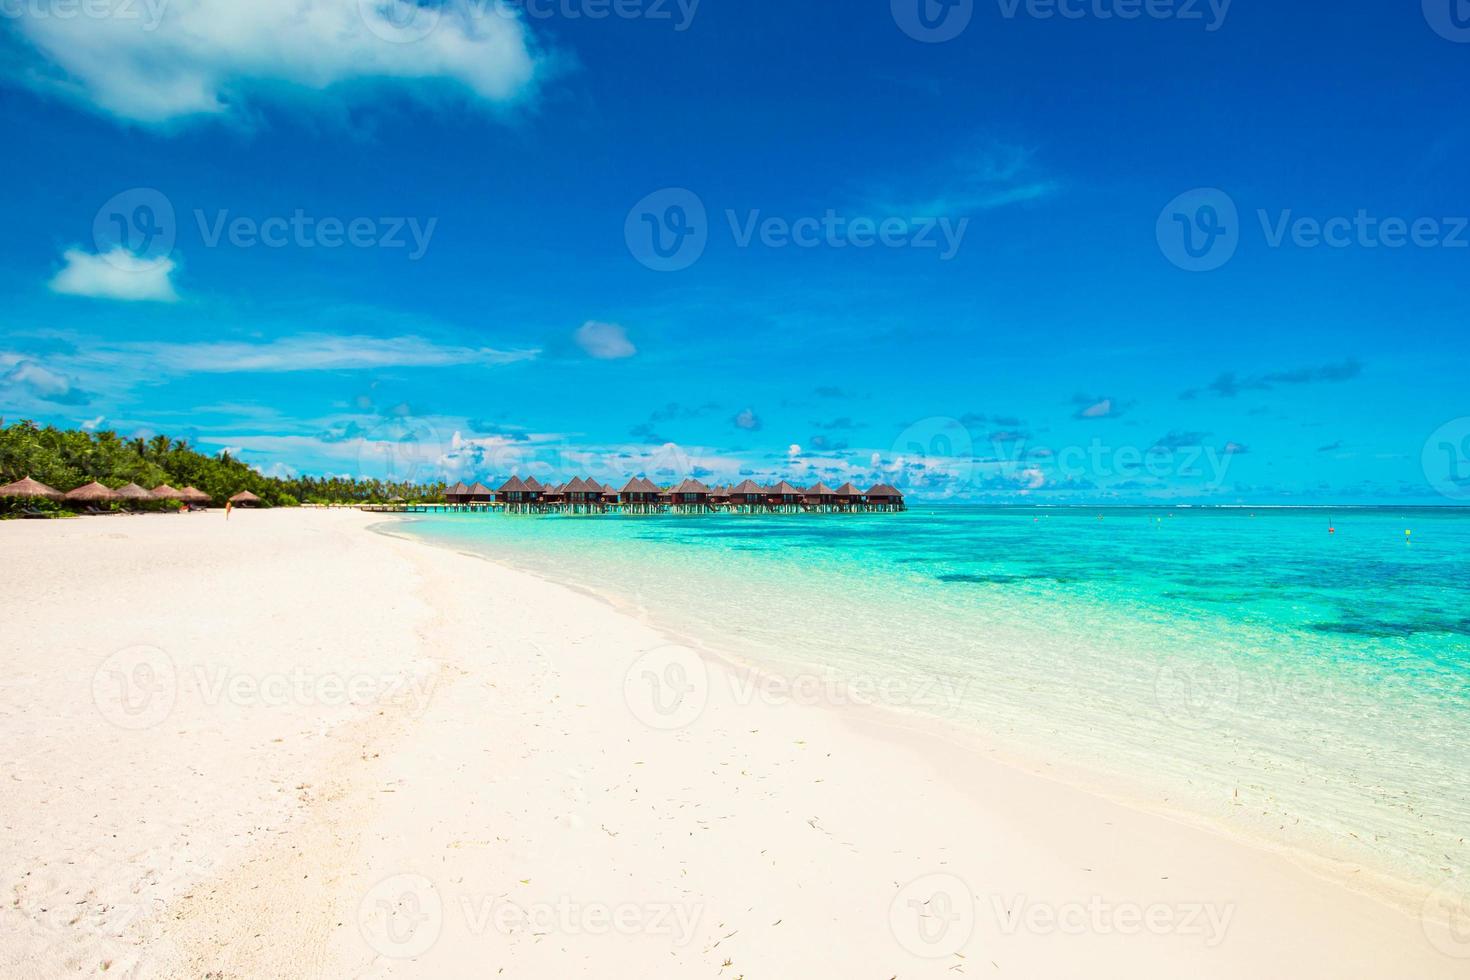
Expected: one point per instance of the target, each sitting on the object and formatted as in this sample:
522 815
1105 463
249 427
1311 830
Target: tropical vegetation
69 458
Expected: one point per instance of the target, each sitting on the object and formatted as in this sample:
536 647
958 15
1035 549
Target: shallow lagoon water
1307 687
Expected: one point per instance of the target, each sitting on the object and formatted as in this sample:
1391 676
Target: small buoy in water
1407 532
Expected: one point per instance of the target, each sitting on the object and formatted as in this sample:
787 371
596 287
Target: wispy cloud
994 177
155 61
118 274
1229 384
308 352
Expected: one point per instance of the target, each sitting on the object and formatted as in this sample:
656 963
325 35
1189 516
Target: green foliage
68 458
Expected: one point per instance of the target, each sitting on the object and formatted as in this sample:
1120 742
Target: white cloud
118 274
605 341
41 382
747 419
1098 410
309 352
153 61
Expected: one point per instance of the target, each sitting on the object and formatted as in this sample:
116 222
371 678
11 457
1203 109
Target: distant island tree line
70 458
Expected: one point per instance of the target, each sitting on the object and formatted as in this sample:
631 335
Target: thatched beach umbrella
194 495
165 492
30 488
245 499
132 491
92 493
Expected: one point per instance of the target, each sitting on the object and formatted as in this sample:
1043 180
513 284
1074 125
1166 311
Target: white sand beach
287 746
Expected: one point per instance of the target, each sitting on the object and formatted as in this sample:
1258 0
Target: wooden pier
642 497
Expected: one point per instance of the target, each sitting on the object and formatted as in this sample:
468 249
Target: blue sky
950 256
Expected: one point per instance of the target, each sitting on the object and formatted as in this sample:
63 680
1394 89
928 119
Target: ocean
1303 686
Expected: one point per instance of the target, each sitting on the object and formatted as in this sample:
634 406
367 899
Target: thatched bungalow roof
720 493
641 484
748 487
691 485
30 488
514 485
784 489
577 485
534 484
132 491
165 492
848 490
458 490
478 490
91 493
243 498
883 490
196 496
820 489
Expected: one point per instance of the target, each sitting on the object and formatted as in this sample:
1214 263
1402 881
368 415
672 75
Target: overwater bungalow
819 496
691 496
884 497
639 496
583 495
642 496
517 496
747 496
849 497
783 496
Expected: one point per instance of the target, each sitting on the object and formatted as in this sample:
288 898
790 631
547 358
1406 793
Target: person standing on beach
229 506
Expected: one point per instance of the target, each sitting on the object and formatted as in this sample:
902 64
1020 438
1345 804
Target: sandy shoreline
286 746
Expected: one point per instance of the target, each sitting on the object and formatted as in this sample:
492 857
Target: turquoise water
1309 688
